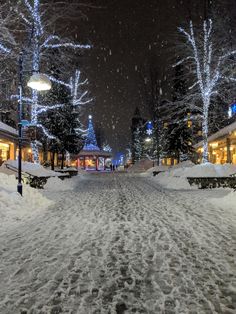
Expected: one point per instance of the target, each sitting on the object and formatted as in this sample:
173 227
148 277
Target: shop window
4 152
199 133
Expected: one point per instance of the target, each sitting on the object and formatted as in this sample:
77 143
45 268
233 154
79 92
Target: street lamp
39 82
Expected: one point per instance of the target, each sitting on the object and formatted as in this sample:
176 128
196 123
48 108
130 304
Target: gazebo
91 157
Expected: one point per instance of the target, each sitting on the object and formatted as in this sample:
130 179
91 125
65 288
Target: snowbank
13 207
157 168
205 170
169 181
56 184
161 168
176 177
227 201
141 166
10 166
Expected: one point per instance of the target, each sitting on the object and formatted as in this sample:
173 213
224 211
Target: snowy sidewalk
120 244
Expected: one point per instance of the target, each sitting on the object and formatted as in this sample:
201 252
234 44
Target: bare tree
209 67
31 23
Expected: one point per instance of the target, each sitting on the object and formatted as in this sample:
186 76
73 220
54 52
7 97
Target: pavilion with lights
91 157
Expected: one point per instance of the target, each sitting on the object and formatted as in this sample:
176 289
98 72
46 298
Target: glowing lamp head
39 82
148 139
90 117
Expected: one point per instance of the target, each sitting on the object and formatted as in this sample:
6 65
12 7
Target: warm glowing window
4 152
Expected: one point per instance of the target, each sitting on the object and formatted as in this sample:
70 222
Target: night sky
124 34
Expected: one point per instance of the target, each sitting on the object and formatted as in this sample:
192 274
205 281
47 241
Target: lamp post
39 82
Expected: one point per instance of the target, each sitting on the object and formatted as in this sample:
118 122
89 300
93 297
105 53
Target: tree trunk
205 132
52 160
62 160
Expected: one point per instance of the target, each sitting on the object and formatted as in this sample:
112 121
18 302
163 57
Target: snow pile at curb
227 201
28 167
169 181
161 168
157 168
141 166
205 170
227 205
176 177
56 184
14 207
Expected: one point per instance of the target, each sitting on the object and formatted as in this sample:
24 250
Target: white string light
208 75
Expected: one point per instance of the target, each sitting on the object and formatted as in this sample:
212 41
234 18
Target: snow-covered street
118 243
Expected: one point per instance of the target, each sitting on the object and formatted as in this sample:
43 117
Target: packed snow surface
30 168
119 243
56 184
13 207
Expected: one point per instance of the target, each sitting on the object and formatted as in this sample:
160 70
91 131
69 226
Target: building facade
221 146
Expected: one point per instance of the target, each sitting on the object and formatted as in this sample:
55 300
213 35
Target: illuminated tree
137 144
64 124
209 69
90 140
39 44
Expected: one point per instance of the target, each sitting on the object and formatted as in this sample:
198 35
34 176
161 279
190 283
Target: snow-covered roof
7 128
36 170
222 132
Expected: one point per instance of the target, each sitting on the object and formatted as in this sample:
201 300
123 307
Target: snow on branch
45 131
4 49
182 61
67 45
76 94
25 99
50 43
29 7
60 82
41 108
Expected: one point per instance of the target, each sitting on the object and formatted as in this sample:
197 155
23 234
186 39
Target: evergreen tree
137 144
179 140
64 124
179 128
160 125
90 140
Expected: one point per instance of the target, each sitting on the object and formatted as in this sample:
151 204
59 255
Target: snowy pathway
120 244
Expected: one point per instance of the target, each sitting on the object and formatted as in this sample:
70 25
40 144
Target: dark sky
124 33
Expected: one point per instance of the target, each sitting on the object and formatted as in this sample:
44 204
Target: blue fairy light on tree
90 141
